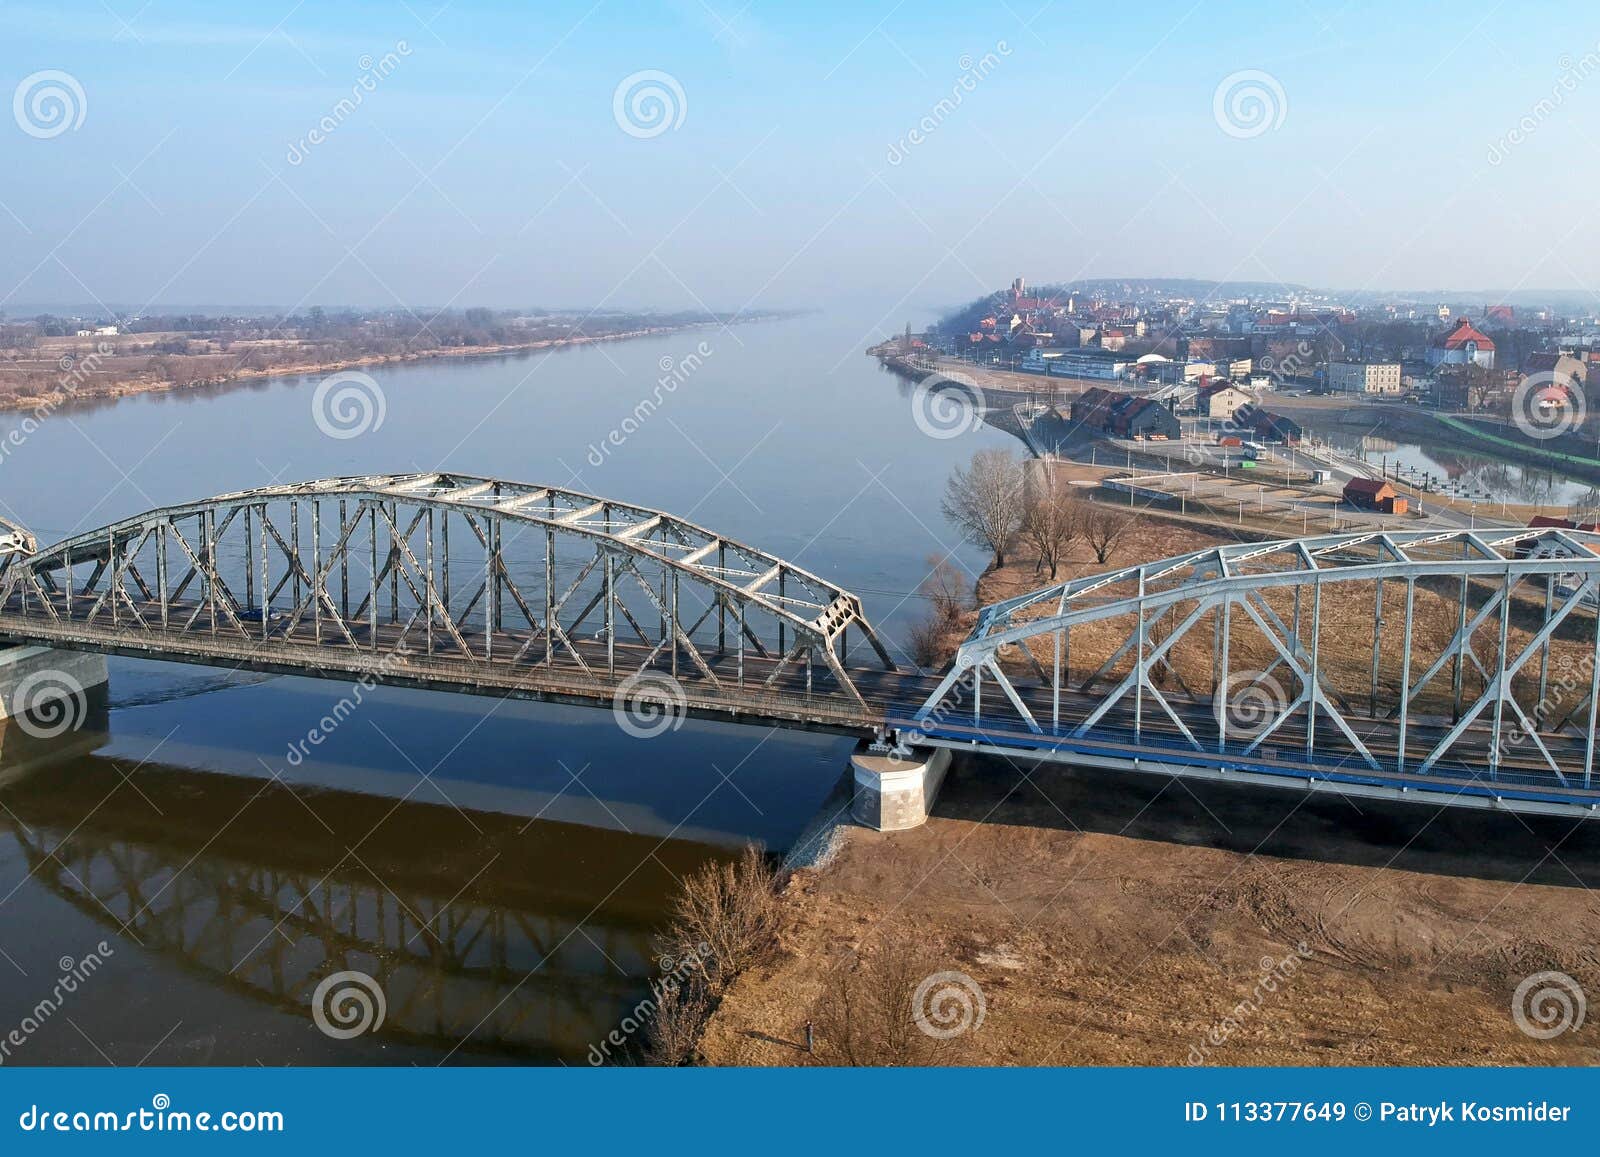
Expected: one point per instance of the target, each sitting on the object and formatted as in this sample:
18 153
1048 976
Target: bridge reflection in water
527 939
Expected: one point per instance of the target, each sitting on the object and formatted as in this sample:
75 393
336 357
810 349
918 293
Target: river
500 867
1461 473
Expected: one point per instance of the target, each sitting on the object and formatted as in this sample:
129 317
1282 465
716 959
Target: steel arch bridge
1459 662
456 582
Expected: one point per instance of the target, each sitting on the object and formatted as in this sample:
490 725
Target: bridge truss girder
1276 596
367 566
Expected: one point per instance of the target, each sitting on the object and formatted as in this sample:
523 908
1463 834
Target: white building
1460 345
1221 402
1364 377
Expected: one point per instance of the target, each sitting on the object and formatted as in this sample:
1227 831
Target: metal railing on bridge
449 580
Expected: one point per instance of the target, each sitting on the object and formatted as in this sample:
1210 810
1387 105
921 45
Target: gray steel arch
1489 573
281 570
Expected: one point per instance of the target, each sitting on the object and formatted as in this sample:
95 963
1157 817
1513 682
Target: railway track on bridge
548 594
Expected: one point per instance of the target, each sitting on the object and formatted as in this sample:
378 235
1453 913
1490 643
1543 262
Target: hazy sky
496 162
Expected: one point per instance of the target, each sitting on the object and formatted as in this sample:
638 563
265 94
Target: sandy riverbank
1133 921
104 386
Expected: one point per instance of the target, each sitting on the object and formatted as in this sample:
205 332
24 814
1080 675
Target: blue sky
489 167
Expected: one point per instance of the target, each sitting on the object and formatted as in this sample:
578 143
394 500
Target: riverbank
88 373
1101 919
1105 918
990 379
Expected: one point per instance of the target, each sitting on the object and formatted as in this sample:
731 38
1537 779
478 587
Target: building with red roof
1462 344
1374 494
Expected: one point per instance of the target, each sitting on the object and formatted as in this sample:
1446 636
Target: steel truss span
1462 662
456 582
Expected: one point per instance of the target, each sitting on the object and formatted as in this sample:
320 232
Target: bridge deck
892 698
511 663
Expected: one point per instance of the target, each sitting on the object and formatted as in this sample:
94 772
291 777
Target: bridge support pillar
34 678
896 792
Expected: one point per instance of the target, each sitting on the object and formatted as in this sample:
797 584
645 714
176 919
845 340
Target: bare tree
925 641
1102 528
946 588
673 1032
1051 523
984 499
867 1014
727 917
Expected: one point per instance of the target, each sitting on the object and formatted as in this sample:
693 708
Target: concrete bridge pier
895 789
50 684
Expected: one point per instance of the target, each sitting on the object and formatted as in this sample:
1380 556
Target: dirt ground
1116 919
1122 920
